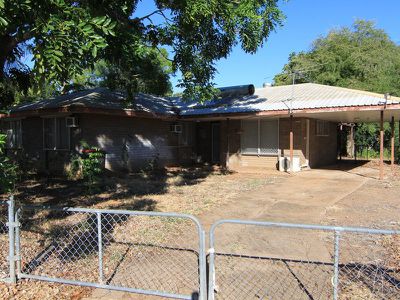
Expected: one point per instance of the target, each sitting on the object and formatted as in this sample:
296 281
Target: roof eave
294 111
87 110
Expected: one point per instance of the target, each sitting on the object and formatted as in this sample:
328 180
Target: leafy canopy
67 37
360 57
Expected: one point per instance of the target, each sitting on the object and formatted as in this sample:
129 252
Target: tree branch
165 17
24 37
158 11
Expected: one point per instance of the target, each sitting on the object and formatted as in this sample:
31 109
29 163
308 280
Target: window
322 128
259 137
14 134
55 134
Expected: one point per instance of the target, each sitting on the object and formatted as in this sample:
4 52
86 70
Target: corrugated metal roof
102 98
300 96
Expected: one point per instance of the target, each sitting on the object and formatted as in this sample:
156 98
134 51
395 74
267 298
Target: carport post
354 140
392 143
381 149
227 144
340 141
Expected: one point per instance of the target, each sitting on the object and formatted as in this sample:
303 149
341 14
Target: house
245 128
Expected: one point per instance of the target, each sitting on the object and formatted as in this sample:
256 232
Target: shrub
8 170
88 166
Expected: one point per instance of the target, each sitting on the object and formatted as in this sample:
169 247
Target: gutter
297 111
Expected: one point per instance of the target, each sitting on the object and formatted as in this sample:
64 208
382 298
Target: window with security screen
13 131
259 137
269 137
322 128
249 137
55 134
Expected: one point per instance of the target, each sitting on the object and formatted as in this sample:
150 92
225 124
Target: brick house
245 128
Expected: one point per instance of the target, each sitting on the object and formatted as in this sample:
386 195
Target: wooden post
381 149
340 141
291 143
392 143
227 144
354 141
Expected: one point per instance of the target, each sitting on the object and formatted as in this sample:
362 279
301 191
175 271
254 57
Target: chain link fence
143 252
369 266
4 265
163 254
262 260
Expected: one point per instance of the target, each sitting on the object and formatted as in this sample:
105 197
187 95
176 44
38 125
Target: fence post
211 266
100 245
203 268
11 240
18 242
336 265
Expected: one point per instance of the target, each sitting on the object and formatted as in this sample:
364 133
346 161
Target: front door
215 139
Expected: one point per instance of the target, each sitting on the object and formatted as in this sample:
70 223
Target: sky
305 21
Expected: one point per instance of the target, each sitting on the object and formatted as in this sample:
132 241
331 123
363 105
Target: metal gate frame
205 292
201 263
10 224
335 229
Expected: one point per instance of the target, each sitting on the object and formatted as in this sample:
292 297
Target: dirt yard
342 195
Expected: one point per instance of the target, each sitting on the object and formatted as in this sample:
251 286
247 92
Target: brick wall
129 143
323 149
133 143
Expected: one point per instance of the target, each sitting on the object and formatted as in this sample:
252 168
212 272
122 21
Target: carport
387 111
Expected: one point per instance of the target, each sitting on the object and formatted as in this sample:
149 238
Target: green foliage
66 38
88 166
151 167
92 168
74 170
8 170
367 137
360 57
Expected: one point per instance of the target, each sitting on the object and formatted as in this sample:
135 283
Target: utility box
285 166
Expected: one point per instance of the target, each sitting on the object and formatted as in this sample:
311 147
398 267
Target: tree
66 37
360 57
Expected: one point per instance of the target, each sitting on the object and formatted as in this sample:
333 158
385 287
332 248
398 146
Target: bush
88 166
8 170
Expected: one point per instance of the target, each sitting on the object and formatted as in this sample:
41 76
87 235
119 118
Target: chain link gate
266 260
4 250
7 241
163 254
142 252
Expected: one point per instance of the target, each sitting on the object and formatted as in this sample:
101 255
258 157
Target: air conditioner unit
71 122
285 165
176 128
